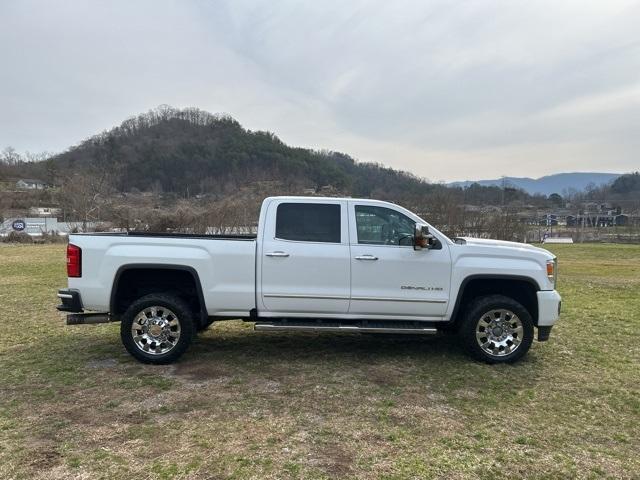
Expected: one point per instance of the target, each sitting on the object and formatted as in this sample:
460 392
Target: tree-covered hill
195 152
628 184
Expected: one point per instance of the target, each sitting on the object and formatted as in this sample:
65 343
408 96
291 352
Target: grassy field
243 404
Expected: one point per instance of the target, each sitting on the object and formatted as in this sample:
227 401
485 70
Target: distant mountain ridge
557 183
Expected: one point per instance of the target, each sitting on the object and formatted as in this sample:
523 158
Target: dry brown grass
243 404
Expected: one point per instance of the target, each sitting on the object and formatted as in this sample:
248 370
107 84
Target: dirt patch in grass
334 460
198 372
44 456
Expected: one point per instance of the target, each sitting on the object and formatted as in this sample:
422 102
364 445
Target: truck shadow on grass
319 346
382 359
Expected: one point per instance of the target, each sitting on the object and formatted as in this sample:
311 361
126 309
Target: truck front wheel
496 329
157 328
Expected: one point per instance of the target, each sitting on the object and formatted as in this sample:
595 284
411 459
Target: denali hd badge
413 287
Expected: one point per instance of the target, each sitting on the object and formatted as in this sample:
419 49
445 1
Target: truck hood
512 246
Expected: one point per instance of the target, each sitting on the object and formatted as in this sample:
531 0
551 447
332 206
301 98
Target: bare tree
82 195
10 157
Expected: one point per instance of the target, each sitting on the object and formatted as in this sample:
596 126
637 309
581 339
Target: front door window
383 226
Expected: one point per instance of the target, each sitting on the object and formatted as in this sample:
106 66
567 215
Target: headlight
552 271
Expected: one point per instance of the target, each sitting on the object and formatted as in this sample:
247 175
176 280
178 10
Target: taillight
74 261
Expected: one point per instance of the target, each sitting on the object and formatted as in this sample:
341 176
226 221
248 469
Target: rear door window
308 222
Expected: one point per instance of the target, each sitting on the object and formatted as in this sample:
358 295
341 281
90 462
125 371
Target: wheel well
521 290
132 283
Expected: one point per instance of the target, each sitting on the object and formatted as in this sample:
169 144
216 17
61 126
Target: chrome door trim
313 297
340 297
389 299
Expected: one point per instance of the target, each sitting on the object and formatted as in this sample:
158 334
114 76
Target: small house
30 184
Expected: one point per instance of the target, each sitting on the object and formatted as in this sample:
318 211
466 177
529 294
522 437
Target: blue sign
19 225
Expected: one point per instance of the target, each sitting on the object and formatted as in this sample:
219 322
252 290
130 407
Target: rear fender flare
159 266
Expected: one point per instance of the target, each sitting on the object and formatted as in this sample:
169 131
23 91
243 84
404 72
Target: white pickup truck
316 264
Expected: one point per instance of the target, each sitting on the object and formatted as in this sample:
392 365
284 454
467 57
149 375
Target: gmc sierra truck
316 264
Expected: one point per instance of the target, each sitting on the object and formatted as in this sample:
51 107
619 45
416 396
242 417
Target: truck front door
305 261
389 277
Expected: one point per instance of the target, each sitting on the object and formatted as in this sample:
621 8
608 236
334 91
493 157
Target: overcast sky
448 90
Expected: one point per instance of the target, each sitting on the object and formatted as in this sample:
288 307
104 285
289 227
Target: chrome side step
344 329
88 318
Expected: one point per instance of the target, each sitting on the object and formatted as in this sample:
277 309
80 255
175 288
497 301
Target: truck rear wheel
497 329
157 328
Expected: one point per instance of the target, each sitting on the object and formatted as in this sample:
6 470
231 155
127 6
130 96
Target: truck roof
314 198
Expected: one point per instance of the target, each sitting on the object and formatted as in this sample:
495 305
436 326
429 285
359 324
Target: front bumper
549 305
71 301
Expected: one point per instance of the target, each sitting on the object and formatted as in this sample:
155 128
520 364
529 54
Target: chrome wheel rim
155 330
499 332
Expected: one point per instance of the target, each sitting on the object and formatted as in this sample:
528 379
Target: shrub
52 237
18 237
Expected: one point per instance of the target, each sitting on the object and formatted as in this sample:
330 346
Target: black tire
478 311
185 329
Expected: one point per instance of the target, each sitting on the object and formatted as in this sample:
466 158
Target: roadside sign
19 225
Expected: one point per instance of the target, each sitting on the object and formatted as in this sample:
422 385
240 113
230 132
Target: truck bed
225 265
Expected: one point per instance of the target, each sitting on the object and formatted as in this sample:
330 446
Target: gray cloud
446 90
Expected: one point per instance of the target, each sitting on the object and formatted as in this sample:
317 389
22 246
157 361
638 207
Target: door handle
277 254
366 257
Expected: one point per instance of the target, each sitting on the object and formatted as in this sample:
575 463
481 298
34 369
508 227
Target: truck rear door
305 260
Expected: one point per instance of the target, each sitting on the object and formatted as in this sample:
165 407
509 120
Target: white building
44 211
31 184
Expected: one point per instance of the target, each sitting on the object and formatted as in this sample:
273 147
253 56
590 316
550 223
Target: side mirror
422 238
